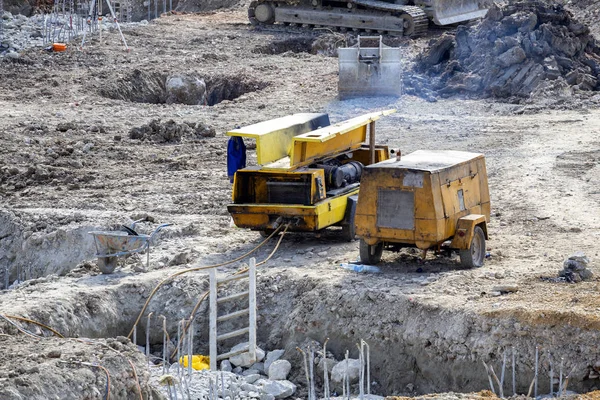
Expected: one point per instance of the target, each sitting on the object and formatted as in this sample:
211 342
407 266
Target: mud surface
68 165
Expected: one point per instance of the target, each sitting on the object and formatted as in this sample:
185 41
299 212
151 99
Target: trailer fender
465 227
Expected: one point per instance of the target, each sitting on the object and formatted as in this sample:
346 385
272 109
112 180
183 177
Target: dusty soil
68 165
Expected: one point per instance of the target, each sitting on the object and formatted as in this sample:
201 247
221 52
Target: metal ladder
250 329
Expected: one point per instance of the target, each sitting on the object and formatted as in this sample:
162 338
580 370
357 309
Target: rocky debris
279 370
514 52
506 288
272 356
575 268
279 389
59 368
171 131
351 367
244 360
185 89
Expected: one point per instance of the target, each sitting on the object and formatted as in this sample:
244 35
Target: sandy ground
544 174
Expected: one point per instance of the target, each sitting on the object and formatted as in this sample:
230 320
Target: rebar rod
361 378
500 390
368 367
165 344
491 382
535 388
190 345
564 389
306 372
551 374
148 338
325 371
178 351
311 363
514 375
502 372
560 380
347 375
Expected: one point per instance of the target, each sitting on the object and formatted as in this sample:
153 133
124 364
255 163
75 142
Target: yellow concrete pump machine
308 174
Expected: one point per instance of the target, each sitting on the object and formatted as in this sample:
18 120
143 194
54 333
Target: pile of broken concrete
514 52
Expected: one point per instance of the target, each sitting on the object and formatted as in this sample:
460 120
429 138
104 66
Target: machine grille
396 209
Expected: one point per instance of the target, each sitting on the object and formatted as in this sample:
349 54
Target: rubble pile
514 52
575 268
171 131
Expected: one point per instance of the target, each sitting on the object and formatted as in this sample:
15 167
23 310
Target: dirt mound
171 131
515 51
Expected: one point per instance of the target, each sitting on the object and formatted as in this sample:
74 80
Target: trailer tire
474 256
348 227
370 255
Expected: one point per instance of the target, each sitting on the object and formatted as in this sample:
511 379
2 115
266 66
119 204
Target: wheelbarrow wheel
107 265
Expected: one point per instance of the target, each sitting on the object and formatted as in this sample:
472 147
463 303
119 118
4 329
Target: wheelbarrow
113 244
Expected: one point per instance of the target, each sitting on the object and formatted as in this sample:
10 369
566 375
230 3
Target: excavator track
372 16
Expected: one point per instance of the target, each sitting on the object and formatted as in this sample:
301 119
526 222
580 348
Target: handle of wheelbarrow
157 230
135 222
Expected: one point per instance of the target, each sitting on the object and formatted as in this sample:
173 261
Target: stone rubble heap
575 268
514 52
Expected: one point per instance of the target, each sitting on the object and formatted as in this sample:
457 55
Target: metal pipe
372 142
368 367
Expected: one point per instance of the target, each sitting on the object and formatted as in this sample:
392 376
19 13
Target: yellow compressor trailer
425 199
308 172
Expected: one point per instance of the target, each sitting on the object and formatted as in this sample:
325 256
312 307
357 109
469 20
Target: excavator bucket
447 12
369 71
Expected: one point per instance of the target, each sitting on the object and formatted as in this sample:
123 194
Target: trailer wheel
107 265
370 254
475 254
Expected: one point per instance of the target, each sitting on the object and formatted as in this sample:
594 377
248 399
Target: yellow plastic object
199 362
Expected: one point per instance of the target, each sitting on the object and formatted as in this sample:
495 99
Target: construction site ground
429 324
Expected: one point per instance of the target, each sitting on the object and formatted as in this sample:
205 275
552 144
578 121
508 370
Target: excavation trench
414 338
189 88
